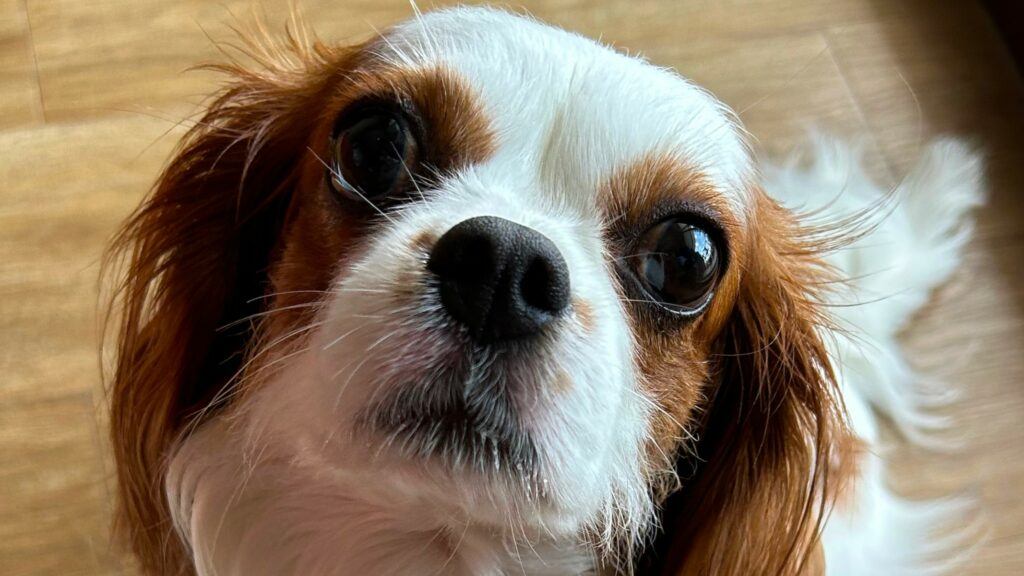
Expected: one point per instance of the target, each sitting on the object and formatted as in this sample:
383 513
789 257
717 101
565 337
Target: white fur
280 485
915 242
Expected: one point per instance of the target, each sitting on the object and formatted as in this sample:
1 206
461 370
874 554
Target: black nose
500 279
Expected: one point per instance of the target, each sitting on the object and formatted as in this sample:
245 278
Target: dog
482 296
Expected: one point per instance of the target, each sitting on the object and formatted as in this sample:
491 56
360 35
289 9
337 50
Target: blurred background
94 95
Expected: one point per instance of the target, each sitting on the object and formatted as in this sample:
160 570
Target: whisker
411 177
615 220
617 259
334 173
455 549
234 384
345 290
373 397
351 376
275 362
642 301
515 545
337 340
781 87
286 293
266 313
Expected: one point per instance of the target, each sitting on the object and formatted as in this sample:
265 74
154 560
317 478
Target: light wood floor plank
19 91
54 519
64 190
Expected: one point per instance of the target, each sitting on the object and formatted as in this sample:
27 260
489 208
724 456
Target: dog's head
500 266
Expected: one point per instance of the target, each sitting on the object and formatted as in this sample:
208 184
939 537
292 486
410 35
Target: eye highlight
678 265
373 152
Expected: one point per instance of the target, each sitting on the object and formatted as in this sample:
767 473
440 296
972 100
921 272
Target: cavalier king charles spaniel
480 296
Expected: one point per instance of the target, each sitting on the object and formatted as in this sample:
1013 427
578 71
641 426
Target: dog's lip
460 403
454 434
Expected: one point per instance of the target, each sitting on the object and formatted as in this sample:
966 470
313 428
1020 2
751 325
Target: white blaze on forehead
568 111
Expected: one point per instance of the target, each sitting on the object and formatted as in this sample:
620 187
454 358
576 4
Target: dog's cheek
672 372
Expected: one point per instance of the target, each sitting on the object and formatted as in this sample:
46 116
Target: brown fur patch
642 189
771 417
673 364
424 241
750 378
562 382
240 211
458 131
320 239
584 313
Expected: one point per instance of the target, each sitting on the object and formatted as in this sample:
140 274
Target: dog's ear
194 260
753 500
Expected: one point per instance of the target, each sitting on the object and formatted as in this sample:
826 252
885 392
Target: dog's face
501 270
522 250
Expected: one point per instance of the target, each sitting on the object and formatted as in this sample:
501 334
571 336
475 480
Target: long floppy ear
754 500
194 259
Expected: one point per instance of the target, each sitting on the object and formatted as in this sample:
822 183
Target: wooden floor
90 98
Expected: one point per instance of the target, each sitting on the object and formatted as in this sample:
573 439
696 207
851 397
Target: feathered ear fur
754 502
194 258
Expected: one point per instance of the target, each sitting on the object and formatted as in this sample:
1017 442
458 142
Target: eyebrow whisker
334 173
409 173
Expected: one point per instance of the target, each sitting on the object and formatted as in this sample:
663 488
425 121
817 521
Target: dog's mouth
470 414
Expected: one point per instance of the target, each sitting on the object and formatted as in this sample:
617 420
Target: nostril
542 286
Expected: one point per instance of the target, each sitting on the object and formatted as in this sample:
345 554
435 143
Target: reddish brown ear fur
754 502
195 258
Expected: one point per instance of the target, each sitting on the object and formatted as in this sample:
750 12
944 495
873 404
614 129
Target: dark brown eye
678 265
373 154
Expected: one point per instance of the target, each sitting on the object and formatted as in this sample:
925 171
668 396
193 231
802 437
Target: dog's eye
373 153
678 265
